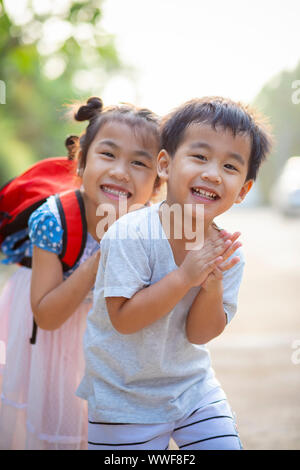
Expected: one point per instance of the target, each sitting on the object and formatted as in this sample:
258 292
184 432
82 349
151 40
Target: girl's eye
108 154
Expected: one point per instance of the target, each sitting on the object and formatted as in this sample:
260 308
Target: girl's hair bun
72 144
90 110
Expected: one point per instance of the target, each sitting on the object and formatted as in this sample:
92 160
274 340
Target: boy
148 373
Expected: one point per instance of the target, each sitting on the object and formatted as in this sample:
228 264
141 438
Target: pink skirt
39 409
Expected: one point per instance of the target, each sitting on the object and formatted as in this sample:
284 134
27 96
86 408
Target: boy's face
209 167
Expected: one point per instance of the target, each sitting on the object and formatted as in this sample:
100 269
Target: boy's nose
212 175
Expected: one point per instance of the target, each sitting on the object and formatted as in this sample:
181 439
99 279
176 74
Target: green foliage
275 100
32 120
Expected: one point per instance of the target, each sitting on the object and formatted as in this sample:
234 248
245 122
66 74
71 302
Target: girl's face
120 166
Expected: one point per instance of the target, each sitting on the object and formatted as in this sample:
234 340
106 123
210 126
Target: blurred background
159 54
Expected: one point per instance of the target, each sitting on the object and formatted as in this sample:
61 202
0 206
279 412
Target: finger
231 250
235 236
212 242
213 252
229 264
218 273
232 236
213 248
211 265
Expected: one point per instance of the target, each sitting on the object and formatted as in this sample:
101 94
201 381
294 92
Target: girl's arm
53 299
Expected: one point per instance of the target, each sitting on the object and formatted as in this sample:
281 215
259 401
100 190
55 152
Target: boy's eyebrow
139 152
237 157
234 155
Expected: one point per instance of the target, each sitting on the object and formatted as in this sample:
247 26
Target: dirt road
257 359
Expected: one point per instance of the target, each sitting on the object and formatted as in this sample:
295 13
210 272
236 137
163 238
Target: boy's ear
245 190
163 163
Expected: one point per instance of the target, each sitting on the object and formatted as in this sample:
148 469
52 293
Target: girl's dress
39 409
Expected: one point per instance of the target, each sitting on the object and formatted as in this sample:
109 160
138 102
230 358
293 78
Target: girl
117 164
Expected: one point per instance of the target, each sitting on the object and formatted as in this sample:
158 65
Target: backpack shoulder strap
71 210
72 214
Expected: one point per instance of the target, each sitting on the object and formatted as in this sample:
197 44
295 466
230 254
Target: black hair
219 112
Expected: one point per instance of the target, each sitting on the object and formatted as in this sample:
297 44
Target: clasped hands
206 266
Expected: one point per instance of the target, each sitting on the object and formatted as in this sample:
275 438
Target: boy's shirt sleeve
124 263
231 285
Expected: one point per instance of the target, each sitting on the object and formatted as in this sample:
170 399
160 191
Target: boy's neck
200 228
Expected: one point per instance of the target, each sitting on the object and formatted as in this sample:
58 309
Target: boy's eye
139 163
230 167
200 157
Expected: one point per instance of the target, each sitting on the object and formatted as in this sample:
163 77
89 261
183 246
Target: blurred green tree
279 99
51 53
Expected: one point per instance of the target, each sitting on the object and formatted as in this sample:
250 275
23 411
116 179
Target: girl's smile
113 191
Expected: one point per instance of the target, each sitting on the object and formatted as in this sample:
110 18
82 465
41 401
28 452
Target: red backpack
25 193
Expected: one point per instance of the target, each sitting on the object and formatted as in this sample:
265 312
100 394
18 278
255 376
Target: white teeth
115 191
205 193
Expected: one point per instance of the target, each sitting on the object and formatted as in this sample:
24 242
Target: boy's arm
148 305
151 303
207 317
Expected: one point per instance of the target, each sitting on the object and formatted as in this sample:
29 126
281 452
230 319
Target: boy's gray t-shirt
155 375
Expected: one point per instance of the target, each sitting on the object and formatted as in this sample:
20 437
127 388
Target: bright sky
187 48
178 49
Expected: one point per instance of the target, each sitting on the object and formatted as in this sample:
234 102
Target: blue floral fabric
13 255
44 230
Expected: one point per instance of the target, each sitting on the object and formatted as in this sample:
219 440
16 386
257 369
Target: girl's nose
120 172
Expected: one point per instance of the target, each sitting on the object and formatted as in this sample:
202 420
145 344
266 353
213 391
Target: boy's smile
209 167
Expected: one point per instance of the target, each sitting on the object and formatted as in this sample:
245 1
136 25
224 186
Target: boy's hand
198 264
211 282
